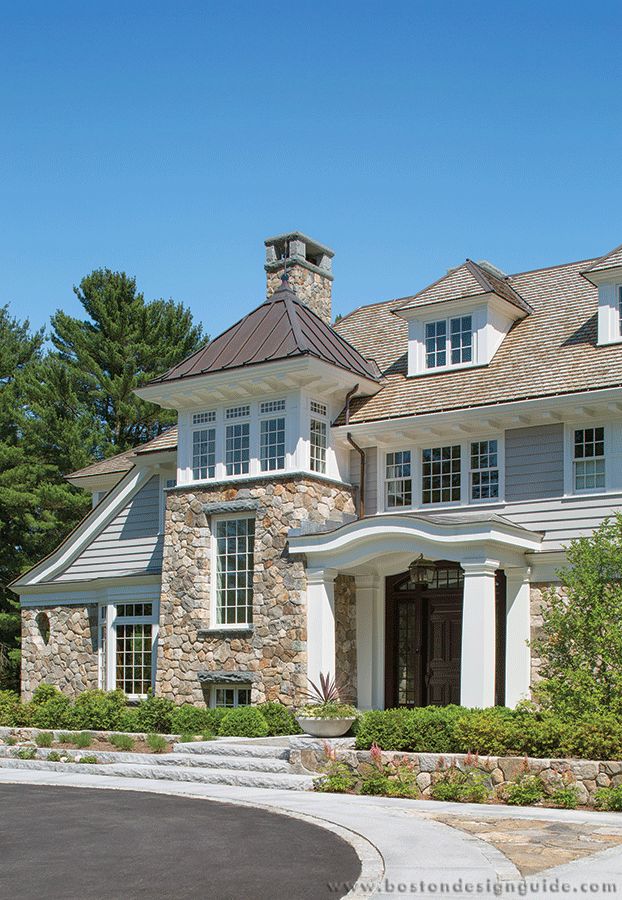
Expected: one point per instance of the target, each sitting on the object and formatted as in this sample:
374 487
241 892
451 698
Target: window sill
226 632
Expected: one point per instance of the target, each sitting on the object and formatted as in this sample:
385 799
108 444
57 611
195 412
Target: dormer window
448 342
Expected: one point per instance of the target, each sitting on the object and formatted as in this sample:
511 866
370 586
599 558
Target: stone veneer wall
274 651
345 635
311 288
69 659
538 589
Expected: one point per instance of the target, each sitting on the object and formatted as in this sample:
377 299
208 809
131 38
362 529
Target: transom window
589 459
319 409
398 479
484 470
448 342
271 406
318 441
203 418
235 539
203 453
272 444
440 474
231 696
237 448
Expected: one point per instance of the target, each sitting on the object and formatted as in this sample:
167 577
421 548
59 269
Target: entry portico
482 548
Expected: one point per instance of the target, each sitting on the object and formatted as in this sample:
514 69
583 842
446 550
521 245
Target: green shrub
54 712
25 753
338 778
53 756
88 759
44 739
245 721
128 720
9 705
460 786
609 798
375 784
100 710
188 719
66 738
279 718
154 715
428 729
525 791
83 740
44 692
122 741
157 743
566 797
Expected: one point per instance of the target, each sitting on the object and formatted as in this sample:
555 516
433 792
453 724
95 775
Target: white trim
236 688
213 618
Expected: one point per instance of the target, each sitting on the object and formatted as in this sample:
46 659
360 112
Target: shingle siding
534 462
129 544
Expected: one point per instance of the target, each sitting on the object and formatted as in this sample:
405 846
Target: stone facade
68 659
272 653
537 601
345 635
312 288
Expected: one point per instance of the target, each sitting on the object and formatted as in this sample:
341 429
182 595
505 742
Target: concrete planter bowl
320 727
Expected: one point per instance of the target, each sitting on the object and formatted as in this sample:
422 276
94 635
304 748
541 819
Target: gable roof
467 280
282 327
123 462
610 260
552 351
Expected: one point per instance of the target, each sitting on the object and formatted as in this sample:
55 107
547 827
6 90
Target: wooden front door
423 639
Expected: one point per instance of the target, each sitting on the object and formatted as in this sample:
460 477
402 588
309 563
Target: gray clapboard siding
563 520
371 477
534 462
130 543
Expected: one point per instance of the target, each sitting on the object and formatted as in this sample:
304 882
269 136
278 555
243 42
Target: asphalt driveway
61 842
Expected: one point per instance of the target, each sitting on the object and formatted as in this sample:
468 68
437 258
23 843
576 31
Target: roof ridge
292 315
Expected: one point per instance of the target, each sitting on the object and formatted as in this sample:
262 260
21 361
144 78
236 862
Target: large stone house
383 498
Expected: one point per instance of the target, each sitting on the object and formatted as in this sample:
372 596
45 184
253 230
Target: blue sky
169 139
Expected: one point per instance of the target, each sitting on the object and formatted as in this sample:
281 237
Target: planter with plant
325 715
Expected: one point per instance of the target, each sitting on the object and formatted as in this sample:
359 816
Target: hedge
496 731
109 711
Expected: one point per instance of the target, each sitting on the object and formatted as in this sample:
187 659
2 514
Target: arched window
43 624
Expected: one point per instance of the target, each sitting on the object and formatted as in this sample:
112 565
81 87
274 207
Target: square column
518 634
320 623
477 667
369 642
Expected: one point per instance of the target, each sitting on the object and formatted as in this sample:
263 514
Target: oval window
43 624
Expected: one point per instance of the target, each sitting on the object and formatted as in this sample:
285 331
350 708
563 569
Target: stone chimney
309 267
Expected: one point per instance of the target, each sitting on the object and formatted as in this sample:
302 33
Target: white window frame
233 422
236 688
403 479
211 426
442 446
473 471
214 599
448 363
601 489
318 412
272 411
109 620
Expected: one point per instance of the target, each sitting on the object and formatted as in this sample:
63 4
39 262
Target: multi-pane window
589 459
461 339
484 470
272 444
398 479
237 448
436 344
440 474
235 540
238 412
231 696
134 653
203 453
127 634
318 435
271 406
204 418
448 342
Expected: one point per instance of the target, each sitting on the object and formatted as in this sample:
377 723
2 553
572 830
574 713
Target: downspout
360 451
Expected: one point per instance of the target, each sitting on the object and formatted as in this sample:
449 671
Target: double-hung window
272 437
318 437
234 563
127 642
237 441
589 459
484 470
441 474
448 342
398 481
203 446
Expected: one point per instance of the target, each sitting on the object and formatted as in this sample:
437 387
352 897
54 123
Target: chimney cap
312 245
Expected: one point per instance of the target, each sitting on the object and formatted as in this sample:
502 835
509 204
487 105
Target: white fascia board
101 590
459 306
87 530
602 276
236 385
97 482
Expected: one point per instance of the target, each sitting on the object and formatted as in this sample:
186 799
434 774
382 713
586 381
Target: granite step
239 749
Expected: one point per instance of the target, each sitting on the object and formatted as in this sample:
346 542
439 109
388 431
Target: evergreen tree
124 342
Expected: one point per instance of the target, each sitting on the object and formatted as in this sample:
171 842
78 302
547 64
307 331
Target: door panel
444 625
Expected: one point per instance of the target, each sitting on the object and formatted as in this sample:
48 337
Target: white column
368 664
320 623
518 624
477 668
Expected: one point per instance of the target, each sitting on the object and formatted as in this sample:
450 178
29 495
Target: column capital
475 567
321 576
368 582
518 574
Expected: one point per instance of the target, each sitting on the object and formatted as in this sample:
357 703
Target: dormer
460 321
606 275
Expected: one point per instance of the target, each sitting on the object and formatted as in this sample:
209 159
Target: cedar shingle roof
551 351
610 260
281 328
467 280
123 462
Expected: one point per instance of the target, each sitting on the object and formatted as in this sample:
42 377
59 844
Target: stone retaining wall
589 775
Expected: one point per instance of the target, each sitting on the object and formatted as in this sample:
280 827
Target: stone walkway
407 849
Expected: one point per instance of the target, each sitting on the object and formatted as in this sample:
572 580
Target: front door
423 639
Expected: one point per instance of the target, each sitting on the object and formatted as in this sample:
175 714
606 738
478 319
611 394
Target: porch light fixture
421 570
